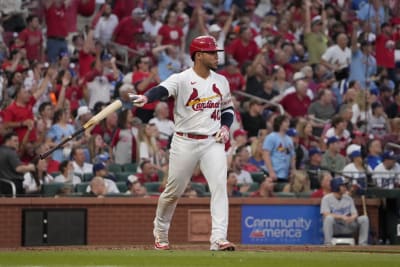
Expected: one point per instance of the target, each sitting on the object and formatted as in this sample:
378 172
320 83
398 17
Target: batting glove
222 135
138 100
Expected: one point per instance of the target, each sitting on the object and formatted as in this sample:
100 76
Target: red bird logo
193 96
216 90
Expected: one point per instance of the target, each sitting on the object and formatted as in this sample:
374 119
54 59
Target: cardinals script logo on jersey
199 104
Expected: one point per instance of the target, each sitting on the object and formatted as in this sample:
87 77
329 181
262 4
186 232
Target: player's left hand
222 135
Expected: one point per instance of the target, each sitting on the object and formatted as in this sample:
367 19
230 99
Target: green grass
195 258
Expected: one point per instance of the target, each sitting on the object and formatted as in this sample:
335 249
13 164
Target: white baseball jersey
198 101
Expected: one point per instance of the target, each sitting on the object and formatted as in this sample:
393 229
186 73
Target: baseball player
203 113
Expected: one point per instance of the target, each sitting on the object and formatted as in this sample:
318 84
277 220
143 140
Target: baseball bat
93 121
364 205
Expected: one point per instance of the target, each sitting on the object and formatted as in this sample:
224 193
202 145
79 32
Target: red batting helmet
204 44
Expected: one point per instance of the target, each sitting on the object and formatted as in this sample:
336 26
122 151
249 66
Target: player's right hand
138 100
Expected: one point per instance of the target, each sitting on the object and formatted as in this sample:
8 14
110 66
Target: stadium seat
253 187
87 177
152 187
304 194
122 187
284 194
122 176
130 167
114 167
52 189
199 187
258 177
81 187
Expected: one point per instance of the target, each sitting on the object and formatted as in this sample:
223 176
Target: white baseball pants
185 153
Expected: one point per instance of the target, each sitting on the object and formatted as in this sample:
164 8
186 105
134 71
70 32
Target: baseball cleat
222 245
161 246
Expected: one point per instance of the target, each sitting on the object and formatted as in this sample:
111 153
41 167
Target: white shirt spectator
30 185
385 178
150 28
105 28
244 177
165 127
291 89
111 187
86 168
62 179
99 90
351 171
338 56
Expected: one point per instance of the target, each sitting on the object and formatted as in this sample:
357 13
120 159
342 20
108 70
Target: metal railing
124 51
12 185
262 100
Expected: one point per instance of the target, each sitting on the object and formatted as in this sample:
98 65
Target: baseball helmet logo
204 44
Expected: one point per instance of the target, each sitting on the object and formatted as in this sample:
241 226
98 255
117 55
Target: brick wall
127 221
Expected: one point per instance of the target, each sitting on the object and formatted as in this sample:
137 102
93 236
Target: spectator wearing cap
232 73
378 123
331 159
243 48
297 76
57 28
31 39
67 174
393 111
296 104
325 187
79 164
323 108
100 170
385 46
363 63
279 152
170 32
152 23
387 174
313 167
252 119
103 31
340 215
127 27
315 39
168 60
355 170
239 138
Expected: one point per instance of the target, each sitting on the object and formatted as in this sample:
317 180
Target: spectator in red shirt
148 172
18 115
233 75
57 30
325 185
143 79
127 27
123 8
385 45
171 32
296 104
243 48
31 39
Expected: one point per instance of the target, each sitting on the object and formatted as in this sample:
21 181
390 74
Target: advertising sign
286 224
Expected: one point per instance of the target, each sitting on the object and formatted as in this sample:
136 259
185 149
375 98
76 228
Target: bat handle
65 140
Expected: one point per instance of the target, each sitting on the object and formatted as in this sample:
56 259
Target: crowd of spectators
315 86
